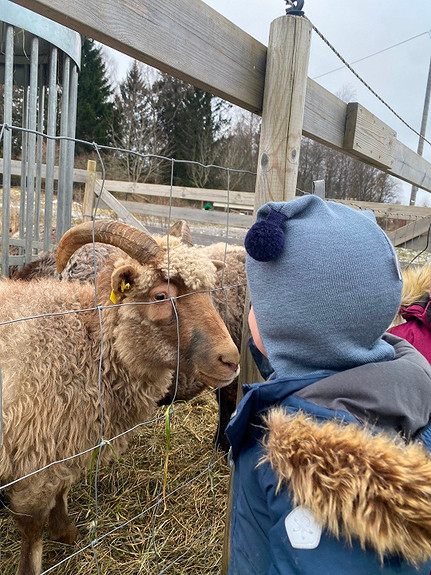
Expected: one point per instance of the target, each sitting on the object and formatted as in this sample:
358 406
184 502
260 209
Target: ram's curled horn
180 229
136 243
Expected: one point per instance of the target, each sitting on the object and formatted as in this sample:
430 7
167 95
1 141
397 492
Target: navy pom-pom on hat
264 241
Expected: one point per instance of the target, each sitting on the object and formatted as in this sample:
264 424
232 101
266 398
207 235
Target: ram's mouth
216 382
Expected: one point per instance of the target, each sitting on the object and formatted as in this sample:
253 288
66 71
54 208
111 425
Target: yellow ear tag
124 287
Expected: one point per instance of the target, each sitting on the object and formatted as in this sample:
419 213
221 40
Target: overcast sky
358 29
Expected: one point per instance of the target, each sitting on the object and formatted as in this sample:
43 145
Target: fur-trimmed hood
344 480
357 485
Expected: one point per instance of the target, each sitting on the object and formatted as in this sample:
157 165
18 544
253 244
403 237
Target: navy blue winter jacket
333 474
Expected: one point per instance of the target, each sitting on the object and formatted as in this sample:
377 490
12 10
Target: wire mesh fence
160 506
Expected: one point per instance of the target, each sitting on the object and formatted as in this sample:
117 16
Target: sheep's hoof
69 535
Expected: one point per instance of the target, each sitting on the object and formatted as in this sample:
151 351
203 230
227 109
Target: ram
228 297
77 368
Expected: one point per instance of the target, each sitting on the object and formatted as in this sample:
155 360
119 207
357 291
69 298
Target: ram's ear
181 230
122 280
219 264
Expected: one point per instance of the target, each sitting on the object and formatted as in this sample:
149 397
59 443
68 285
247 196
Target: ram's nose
230 361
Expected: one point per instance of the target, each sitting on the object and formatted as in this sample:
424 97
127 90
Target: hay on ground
182 535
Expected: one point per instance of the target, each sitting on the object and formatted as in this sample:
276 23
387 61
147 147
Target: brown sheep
57 404
228 298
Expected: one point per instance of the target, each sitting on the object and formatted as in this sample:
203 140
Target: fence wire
160 507
153 545
369 88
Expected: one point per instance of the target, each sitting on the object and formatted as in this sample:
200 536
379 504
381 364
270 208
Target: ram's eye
160 296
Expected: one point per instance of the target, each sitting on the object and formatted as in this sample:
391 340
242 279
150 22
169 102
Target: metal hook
294 7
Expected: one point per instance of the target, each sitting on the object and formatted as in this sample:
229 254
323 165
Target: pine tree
95 107
192 121
137 128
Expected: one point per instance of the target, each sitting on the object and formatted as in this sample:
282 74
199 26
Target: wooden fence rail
190 40
79 175
239 204
115 196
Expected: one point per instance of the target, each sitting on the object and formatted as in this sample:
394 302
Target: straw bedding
179 534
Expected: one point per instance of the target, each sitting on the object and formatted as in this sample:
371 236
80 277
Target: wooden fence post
280 142
88 203
283 109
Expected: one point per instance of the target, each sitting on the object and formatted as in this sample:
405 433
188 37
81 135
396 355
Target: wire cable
367 85
374 54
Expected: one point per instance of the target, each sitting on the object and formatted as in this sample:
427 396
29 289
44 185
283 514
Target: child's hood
419 311
325 284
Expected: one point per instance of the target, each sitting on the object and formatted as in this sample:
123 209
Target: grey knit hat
325 284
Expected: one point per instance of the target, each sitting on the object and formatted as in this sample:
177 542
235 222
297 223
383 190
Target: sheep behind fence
228 297
81 369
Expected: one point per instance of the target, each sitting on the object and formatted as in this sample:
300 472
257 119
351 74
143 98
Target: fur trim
417 283
358 485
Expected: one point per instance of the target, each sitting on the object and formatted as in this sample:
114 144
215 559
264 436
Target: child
416 310
332 474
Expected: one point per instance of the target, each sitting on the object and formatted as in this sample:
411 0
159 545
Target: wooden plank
238 200
410 231
189 214
187 193
197 44
88 202
392 211
368 137
21 243
79 176
411 167
231 206
324 116
124 210
187 39
381 210
109 200
324 121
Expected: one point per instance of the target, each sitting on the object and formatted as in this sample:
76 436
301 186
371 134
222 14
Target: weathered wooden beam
88 202
187 39
187 193
410 231
188 214
246 199
283 109
325 120
324 116
79 175
411 167
108 199
390 211
191 41
368 137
